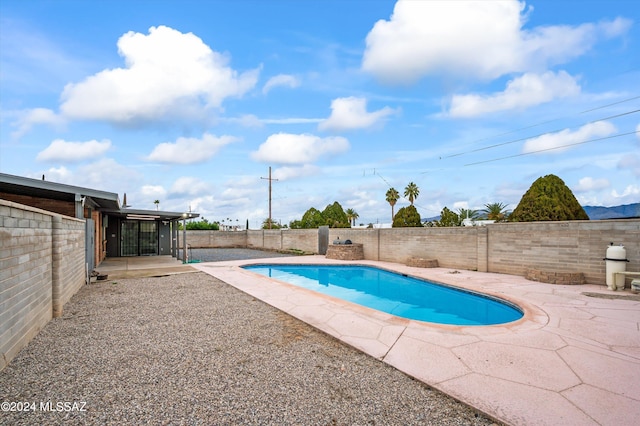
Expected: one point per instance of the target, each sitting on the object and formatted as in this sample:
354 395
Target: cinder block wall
509 248
213 239
572 246
30 263
301 239
68 260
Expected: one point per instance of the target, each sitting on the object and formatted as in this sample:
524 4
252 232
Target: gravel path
190 349
224 254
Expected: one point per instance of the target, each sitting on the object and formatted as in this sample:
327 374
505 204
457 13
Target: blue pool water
395 294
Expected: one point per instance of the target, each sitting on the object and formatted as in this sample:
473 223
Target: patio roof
137 214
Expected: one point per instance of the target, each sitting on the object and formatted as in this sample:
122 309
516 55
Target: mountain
615 212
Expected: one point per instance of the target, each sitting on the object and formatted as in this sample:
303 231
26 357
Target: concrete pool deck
572 359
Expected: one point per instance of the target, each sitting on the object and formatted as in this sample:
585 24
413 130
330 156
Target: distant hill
616 212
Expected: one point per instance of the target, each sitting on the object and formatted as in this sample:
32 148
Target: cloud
55 174
351 113
630 194
291 120
153 191
638 131
286 173
554 141
189 150
631 162
281 80
167 74
287 148
30 118
72 152
587 184
189 186
246 120
527 90
480 39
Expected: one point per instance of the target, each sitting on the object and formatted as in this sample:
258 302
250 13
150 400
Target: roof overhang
135 214
106 202
57 191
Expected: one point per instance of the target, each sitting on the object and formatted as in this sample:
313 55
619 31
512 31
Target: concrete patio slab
572 358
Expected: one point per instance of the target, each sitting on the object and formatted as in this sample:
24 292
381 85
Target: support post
184 238
269 179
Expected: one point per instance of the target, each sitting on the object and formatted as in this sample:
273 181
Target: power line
554 148
539 124
540 134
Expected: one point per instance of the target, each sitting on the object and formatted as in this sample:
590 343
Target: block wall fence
508 248
41 267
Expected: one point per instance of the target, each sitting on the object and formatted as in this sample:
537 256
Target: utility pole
269 179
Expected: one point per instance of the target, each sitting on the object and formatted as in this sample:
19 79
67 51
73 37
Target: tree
270 224
407 217
548 199
467 214
157 203
448 218
411 192
335 217
352 215
392 197
312 218
496 211
201 225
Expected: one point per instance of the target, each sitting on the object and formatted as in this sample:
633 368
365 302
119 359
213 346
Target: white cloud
631 194
286 173
351 113
71 152
167 74
638 131
189 186
56 174
527 90
554 141
481 39
285 80
153 191
28 119
631 162
587 184
291 120
246 120
189 150
106 174
287 148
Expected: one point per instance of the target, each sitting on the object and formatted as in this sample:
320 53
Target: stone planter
345 251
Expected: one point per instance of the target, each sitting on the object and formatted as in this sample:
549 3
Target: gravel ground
190 349
223 254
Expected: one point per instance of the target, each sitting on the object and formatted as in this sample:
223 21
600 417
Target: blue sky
191 102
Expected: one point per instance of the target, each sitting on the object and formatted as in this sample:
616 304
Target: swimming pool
395 294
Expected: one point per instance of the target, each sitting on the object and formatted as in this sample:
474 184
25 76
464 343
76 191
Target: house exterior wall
66 208
41 267
508 248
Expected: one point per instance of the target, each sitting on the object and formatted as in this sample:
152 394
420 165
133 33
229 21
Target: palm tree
496 211
411 192
392 197
352 215
157 203
468 214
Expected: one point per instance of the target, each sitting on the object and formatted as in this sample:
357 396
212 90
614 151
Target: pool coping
570 359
